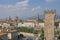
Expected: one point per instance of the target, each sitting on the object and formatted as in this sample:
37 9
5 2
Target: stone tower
49 16
37 23
15 19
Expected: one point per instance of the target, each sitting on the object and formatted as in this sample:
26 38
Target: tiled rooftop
2 33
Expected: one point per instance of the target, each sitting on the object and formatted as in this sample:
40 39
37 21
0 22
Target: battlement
50 11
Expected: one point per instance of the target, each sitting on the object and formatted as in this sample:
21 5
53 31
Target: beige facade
49 24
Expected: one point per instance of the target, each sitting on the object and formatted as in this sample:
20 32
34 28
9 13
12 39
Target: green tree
42 35
56 24
1 38
0 26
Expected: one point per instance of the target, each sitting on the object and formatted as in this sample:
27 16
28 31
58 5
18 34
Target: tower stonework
49 16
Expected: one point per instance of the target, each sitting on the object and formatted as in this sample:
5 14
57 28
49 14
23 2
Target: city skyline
27 8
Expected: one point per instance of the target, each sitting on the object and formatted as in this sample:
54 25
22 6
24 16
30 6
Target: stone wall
49 16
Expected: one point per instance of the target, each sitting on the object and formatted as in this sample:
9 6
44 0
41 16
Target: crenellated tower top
50 12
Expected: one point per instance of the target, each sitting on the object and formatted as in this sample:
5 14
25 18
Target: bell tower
49 16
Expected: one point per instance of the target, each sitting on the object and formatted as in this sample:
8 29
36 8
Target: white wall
29 24
41 24
5 25
26 24
0 24
59 25
9 36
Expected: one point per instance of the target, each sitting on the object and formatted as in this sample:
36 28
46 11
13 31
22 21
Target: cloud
16 9
17 5
20 9
37 8
50 0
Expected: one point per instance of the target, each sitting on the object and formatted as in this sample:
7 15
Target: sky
27 8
